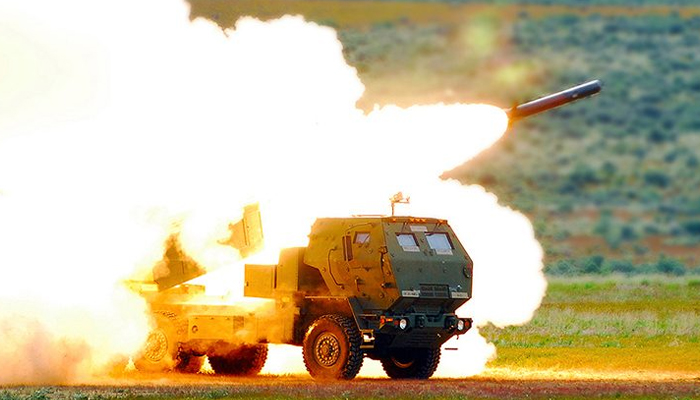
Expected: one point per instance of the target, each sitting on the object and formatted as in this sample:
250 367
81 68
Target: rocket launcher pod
554 100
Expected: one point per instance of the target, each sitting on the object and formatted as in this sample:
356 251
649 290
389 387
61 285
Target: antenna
398 199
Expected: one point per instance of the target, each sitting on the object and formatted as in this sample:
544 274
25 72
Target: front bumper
414 330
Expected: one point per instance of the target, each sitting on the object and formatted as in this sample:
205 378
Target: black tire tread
425 363
189 363
355 354
245 360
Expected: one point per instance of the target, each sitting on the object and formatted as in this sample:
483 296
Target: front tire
331 348
411 363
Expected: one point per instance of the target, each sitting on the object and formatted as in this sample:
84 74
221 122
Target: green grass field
616 324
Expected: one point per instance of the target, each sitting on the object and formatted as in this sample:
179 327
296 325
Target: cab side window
361 237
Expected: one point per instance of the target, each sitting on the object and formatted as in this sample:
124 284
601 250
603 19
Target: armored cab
384 287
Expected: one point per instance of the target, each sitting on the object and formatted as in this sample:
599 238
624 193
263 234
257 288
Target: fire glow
118 127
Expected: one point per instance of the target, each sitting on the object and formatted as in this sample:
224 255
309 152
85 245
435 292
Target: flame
125 126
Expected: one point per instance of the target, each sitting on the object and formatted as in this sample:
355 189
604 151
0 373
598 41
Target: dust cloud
124 121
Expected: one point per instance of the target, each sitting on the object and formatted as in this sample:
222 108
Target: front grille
417 338
426 307
430 291
431 338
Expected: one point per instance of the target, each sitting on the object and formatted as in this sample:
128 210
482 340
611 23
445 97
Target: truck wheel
243 360
331 348
189 363
160 352
411 363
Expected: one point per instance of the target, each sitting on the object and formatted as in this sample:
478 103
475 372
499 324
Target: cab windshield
438 241
407 242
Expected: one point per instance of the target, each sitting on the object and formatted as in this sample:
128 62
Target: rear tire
331 348
245 360
411 363
160 352
189 363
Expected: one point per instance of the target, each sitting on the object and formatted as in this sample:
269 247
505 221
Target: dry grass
679 361
610 324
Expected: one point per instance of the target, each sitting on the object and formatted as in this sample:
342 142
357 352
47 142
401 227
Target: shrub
692 227
6 395
628 233
620 266
640 249
593 264
657 135
583 175
561 267
40 394
670 266
657 178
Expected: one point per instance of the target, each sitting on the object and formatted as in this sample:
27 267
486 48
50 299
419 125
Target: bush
597 265
670 266
583 175
620 266
692 227
628 233
647 269
593 264
657 178
561 267
6 395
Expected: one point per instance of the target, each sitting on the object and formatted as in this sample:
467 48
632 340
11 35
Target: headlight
403 324
460 325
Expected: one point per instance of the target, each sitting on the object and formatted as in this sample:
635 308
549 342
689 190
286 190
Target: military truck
384 287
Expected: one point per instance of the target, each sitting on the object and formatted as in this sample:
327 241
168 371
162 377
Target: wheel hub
156 346
405 363
327 349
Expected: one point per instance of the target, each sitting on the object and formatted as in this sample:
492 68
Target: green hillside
612 184
616 177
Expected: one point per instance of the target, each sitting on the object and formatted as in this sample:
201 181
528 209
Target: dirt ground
497 384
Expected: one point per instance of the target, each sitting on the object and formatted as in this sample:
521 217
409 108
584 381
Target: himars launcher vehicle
386 288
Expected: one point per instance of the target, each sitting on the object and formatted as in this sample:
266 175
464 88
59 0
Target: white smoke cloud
123 118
